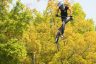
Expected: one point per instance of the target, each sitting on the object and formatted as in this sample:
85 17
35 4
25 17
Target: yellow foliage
77 47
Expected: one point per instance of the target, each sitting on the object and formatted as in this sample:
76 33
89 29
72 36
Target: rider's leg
68 19
63 26
61 31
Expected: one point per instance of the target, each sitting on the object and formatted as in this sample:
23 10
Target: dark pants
62 28
64 21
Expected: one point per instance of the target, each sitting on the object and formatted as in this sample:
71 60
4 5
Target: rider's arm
70 14
57 12
70 11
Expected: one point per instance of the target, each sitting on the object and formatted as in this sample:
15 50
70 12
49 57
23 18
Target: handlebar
71 17
62 16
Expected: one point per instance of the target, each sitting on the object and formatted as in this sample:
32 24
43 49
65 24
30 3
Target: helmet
60 3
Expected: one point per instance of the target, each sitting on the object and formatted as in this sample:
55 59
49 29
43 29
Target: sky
89 6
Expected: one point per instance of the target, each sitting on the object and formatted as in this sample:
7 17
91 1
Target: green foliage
12 51
12 48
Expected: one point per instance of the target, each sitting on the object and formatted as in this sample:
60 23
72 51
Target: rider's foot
62 36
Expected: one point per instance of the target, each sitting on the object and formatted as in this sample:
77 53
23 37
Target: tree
12 48
27 36
12 51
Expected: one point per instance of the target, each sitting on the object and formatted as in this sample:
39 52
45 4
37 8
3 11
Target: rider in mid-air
64 17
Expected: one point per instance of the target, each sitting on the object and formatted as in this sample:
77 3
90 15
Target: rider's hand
71 17
57 15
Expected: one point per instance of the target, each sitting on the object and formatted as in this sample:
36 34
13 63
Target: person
64 17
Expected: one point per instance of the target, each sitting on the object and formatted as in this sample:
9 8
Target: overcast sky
89 6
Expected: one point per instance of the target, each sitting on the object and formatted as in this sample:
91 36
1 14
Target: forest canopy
28 36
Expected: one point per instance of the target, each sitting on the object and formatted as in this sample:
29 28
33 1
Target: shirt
64 12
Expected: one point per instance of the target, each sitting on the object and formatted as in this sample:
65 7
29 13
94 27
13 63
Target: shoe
62 36
56 41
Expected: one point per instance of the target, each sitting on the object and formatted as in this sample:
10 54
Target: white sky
89 6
